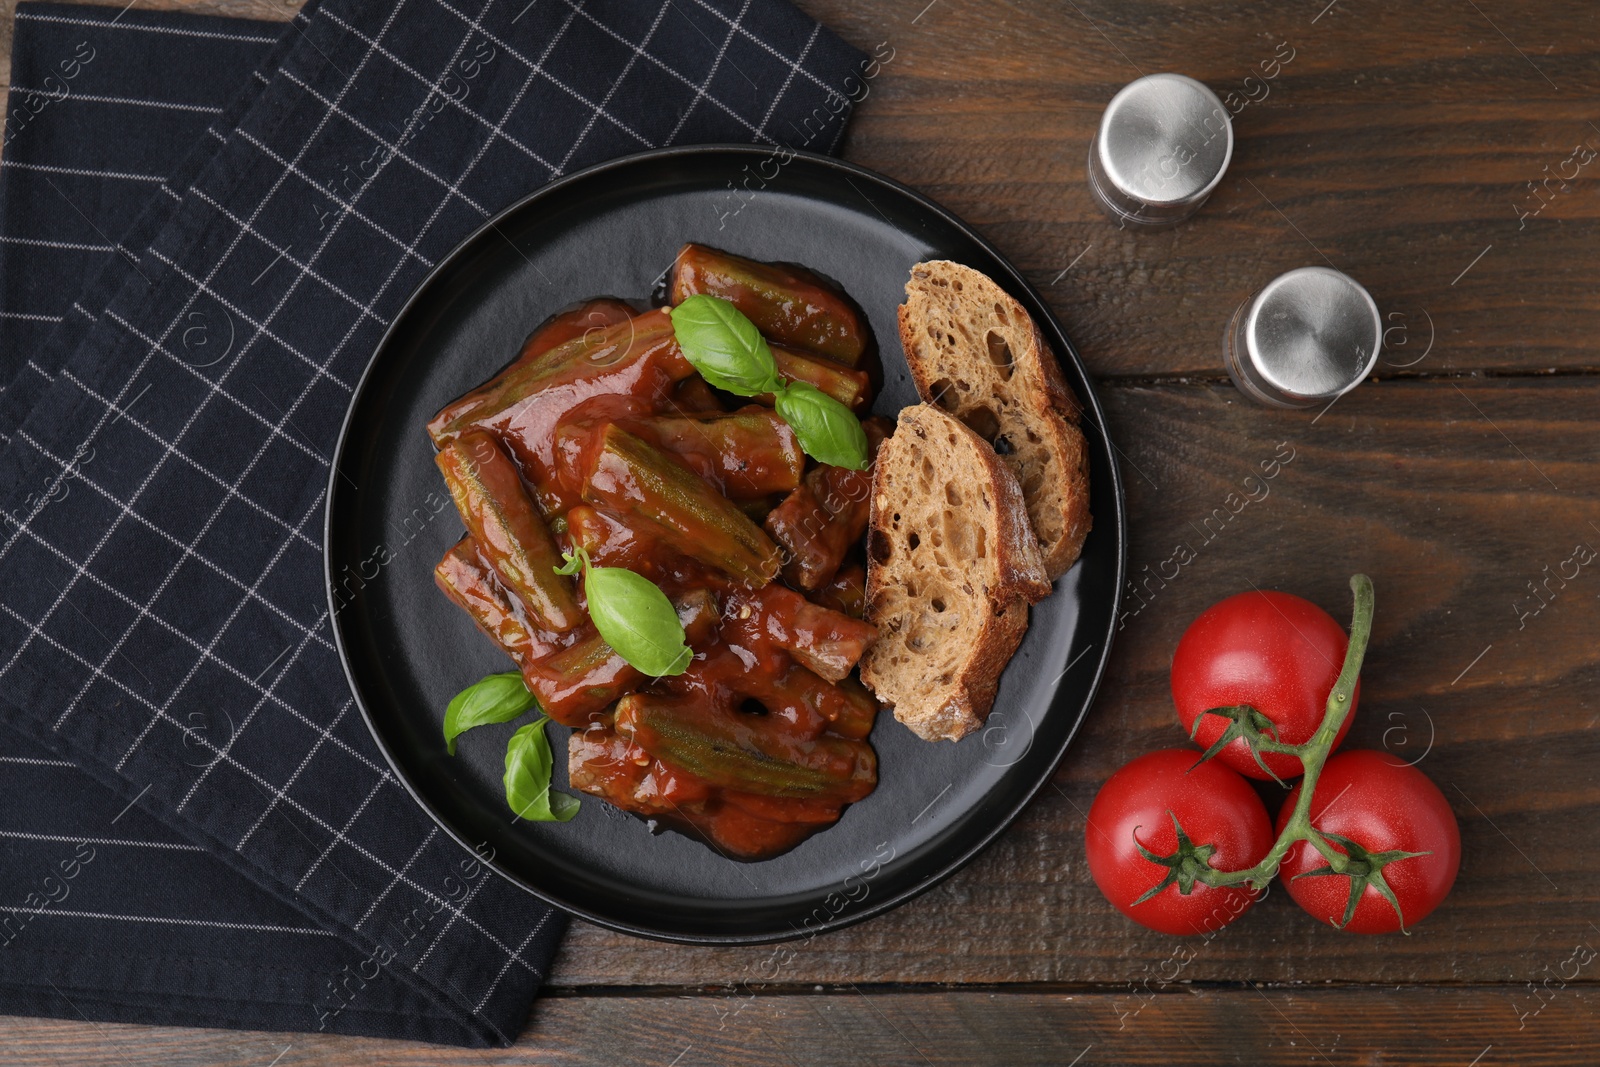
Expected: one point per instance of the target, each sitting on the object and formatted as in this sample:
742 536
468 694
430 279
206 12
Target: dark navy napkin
205 227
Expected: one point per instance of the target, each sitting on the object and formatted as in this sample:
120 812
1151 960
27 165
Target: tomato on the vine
1377 809
1221 818
1267 661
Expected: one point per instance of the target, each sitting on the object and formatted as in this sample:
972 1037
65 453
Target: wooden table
1398 144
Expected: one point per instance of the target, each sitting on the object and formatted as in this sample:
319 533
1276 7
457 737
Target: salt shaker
1163 145
1306 338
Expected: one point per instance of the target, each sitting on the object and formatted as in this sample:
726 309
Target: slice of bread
952 566
974 351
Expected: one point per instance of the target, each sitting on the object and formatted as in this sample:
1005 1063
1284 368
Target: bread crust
952 568
974 351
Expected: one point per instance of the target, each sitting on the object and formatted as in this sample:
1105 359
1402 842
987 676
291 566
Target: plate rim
1091 404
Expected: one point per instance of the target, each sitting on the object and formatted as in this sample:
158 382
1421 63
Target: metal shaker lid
1308 337
1163 145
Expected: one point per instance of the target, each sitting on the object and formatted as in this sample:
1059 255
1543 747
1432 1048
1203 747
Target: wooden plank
1452 516
1397 144
1461 1027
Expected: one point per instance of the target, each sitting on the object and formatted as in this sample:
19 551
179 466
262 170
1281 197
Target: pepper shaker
1163 145
1306 338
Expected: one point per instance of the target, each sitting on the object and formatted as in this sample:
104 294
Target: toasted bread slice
974 351
952 566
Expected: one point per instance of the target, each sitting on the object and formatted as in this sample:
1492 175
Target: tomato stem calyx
1186 864
1364 869
1249 724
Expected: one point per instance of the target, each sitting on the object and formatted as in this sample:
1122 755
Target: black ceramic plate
613 230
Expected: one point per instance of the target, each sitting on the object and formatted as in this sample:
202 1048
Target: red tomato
1215 807
1273 651
1383 804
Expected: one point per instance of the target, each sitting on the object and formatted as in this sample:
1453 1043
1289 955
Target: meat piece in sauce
824 518
827 642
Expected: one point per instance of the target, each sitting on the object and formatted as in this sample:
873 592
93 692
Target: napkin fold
205 227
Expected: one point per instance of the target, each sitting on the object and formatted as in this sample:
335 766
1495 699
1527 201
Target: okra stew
665 513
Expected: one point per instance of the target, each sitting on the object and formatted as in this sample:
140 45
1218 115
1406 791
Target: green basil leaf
724 346
637 620
497 698
528 767
827 430
563 805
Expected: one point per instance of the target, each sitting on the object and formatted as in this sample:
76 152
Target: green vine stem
1313 754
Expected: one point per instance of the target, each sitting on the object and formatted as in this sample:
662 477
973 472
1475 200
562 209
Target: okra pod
637 544
588 319
733 749
634 478
564 488
579 682
463 577
747 453
510 533
859 711
852 388
790 305
634 543
638 358
602 762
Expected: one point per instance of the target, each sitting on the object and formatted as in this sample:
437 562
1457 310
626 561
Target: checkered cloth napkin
205 227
